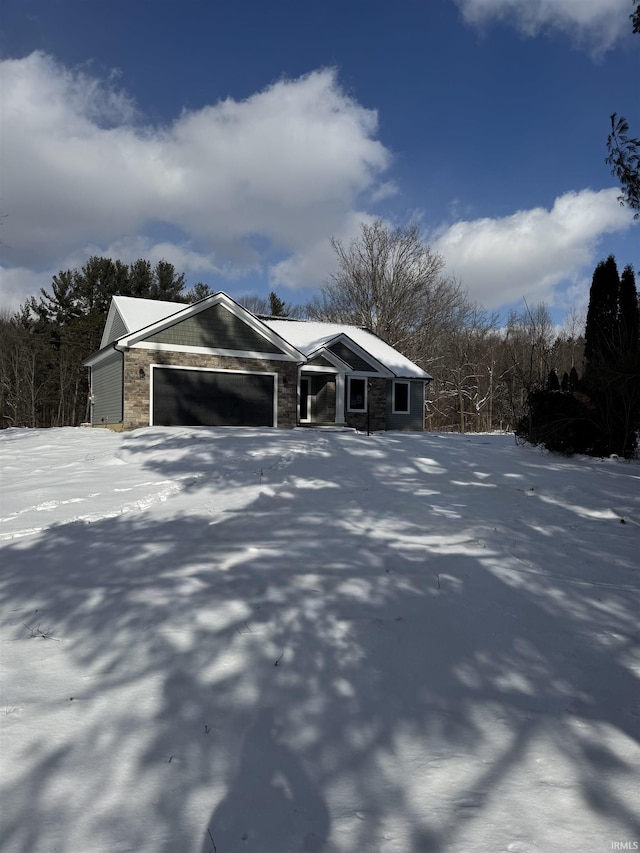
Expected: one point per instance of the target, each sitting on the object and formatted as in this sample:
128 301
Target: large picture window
357 394
401 398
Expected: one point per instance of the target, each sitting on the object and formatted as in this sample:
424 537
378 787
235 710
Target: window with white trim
356 394
401 398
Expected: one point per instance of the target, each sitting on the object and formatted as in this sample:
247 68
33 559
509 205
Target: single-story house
214 363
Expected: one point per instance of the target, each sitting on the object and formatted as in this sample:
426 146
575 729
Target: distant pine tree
277 308
199 291
65 324
600 414
574 380
553 383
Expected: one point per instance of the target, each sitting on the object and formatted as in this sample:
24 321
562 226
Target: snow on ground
260 641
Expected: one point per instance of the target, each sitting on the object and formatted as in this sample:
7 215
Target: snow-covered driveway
259 641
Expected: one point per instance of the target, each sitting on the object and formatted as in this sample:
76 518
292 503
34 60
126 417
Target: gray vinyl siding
118 328
351 358
415 419
321 361
106 388
215 328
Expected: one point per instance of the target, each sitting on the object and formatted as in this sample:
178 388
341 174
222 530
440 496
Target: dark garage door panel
208 398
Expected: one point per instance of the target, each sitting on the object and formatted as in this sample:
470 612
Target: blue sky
235 139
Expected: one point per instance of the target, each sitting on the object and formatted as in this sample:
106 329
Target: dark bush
563 421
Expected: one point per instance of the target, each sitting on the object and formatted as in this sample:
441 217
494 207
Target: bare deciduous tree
386 282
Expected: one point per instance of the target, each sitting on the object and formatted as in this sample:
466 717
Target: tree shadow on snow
322 678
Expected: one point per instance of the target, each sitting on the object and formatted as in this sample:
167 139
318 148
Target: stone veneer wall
136 390
377 409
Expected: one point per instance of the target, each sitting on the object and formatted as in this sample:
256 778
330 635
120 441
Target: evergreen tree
574 380
553 383
624 159
198 291
599 415
277 308
602 314
140 278
167 284
624 150
612 368
629 317
53 334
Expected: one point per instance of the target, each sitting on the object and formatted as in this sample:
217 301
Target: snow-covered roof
309 336
305 335
138 313
128 314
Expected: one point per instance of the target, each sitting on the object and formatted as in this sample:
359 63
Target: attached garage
213 363
186 396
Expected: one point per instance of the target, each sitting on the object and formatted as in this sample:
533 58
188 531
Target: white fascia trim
214 370
106 338
302 420
232 353
180 314
99 356
262 329
320 368
426 377
364 354
323 352
233 307
340 401
136 335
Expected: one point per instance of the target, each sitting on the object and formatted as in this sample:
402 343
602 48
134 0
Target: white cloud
253 186
313 266
17 283
530 252
276 170
596 23
184 258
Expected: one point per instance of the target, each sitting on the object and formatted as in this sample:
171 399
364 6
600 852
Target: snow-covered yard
259 641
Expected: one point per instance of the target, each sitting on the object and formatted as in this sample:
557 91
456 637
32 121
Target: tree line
42 345
597 413
575 390
487 375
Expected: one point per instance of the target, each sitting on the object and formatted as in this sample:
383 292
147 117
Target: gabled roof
312 338
135 314
136 320
131 320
